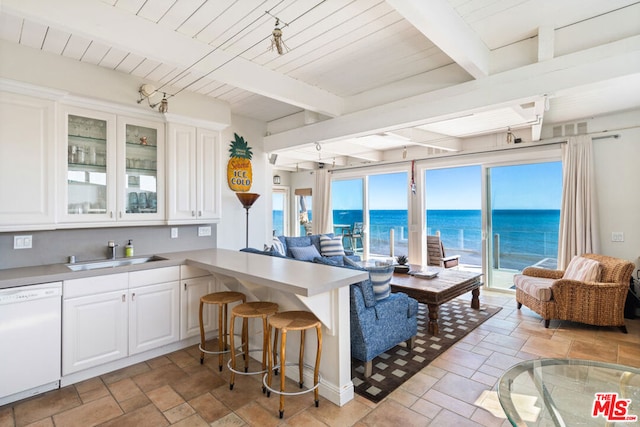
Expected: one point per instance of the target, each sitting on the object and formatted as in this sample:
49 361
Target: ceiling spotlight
510 136
164 104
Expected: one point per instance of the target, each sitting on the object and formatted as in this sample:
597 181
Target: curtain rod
399 162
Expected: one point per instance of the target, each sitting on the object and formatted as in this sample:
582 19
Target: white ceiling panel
362 65
55 41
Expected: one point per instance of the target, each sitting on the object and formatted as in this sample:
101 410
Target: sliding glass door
347 201
523 218
388 219
453 211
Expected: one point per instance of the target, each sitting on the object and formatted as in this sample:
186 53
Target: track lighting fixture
147 91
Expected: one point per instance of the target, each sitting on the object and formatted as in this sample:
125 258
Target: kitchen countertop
278 273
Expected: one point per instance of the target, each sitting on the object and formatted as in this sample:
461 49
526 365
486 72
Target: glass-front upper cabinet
141 194
90 169
114 168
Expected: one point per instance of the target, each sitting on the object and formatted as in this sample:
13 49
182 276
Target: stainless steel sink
110 263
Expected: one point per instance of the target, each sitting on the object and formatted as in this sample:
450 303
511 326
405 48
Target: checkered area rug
397 365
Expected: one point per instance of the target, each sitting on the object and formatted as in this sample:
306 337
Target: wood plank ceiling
342 56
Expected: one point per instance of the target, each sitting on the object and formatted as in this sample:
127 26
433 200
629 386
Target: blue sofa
377 325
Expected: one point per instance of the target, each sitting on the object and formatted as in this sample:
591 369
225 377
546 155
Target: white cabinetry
110 317
94 321
193 174
27 162
111 168
195 283
153 308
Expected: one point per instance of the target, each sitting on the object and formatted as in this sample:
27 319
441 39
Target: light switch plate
174 232
617 236
204 231
22 242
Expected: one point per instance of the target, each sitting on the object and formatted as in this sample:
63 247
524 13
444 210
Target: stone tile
426 408
134 403
463 358
418 384
183 358
209 408
461 388
257 415
451 403
448 418
304 419
334 415
124 389
46 405
390 413
91 389
6 416
128 372
158 362
89 414
165 398
629 355
156 378
192 421
45 422
231 420
196 385
179 412
403 397
547 347
594 351
146 416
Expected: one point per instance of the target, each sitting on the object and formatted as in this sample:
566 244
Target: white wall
231 230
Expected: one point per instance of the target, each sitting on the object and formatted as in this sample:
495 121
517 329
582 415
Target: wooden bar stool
293 321
246 311
222 300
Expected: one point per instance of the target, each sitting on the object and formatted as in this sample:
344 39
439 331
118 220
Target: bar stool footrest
243 372
292 393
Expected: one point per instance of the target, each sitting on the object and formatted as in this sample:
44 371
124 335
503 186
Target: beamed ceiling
362 78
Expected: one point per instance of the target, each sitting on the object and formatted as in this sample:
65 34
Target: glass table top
570 392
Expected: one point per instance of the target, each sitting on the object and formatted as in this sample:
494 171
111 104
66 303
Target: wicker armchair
595 303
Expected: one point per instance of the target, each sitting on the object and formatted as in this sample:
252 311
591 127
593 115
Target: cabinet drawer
94 285
154 276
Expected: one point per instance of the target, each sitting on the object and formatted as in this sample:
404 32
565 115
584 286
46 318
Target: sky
533 186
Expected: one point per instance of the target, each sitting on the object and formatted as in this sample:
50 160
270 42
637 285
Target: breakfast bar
294 285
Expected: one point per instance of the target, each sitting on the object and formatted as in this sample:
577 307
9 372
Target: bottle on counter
128 249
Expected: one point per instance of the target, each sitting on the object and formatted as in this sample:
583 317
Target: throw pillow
277 246
583 270
350 262
331 246
305 253
334 262
381 280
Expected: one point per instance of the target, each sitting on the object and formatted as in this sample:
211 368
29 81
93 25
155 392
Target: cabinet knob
124 297
120 214
110 214
133 296
193 213
199 213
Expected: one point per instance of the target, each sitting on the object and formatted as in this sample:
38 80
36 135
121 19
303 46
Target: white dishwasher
30 333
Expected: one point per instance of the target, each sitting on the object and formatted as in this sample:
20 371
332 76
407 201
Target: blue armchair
379 325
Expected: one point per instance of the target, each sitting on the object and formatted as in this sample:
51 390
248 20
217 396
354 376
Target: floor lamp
247 200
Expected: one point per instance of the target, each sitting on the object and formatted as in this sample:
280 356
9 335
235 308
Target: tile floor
176 390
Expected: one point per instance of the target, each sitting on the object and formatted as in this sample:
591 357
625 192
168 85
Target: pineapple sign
239 173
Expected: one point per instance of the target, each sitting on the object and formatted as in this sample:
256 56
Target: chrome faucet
111 245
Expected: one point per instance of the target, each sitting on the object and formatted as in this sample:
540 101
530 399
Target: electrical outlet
22 242
204 231
174 232
617 236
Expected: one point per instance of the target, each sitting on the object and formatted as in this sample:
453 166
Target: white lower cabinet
105 318
195 283
94 321
153 316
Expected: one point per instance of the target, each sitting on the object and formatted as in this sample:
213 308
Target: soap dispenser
128 249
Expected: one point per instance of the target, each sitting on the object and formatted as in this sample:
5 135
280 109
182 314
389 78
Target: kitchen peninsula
294 285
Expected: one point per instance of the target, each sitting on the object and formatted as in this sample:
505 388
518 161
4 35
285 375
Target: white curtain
578 232
322 218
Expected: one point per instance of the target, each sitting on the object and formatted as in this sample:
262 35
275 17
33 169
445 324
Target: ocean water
522 237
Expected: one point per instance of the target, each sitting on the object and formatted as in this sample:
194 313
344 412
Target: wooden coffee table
448 285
